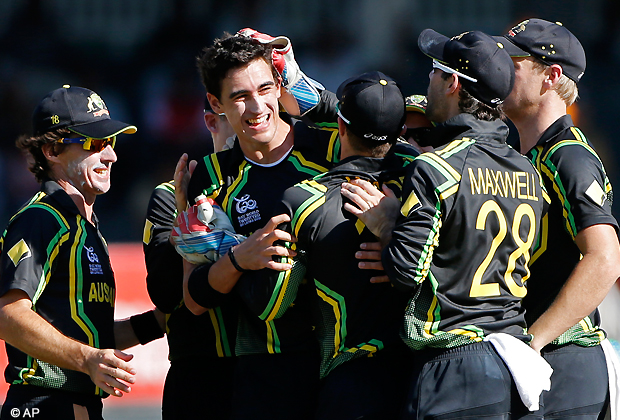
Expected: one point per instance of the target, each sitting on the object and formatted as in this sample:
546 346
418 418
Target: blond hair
565 88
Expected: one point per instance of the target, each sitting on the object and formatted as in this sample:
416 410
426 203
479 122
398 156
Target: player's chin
101 187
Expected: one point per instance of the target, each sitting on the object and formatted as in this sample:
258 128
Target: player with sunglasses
57 287
89 143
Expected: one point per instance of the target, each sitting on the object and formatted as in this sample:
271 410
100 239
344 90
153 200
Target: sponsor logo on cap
375 137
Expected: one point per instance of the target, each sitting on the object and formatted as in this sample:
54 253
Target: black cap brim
510 47
432 43
103 129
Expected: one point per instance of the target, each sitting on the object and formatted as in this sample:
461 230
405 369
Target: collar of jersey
268 165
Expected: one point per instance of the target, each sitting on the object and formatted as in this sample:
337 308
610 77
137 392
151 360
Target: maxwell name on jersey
520 185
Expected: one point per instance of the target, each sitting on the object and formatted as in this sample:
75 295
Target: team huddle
348 255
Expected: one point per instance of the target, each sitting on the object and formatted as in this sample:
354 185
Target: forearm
139 329
583 292
223 276
586 287
205 287
124 335
24 329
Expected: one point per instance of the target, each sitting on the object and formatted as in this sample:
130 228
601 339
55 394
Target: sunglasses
89 143
444 68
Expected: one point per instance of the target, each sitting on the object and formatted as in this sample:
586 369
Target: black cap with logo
80 110
483 65
372 105
549 42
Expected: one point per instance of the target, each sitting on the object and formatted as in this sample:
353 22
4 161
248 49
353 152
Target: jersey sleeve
29 247
408 256
164 266
207 178
579 181
325 114
269 293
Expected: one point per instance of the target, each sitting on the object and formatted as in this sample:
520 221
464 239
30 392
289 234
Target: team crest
519 28
416 103
458 37
96 106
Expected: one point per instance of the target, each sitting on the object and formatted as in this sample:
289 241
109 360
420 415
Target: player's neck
272 151
532 123
84 205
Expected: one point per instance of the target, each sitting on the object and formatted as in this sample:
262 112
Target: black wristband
146 327
234 262
201 290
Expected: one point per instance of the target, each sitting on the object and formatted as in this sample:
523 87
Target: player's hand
109 370
182 175
305 91
378 210
371 251
255 252
282 51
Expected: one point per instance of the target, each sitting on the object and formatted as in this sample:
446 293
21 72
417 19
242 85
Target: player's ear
454 84
52 150
279 87
211 121
342 127
553 74
215 103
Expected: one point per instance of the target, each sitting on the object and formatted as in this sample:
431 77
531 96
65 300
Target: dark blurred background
139 56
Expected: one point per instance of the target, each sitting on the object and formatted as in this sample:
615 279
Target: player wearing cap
214 345
57 287
276 373
577 260
363 360
463 237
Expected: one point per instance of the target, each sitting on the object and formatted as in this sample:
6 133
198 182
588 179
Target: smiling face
89 172
249 98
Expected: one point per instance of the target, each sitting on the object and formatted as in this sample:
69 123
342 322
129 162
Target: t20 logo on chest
246 210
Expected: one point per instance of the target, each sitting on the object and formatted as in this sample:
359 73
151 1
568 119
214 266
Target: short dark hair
374 148
470 105
32 146
226 53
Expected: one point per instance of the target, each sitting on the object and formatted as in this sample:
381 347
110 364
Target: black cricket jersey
468 224
581 196
248 193
61 261
354 318
211 334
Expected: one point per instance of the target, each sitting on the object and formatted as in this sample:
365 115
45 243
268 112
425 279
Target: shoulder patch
411 204
596 193
19 252
147 234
